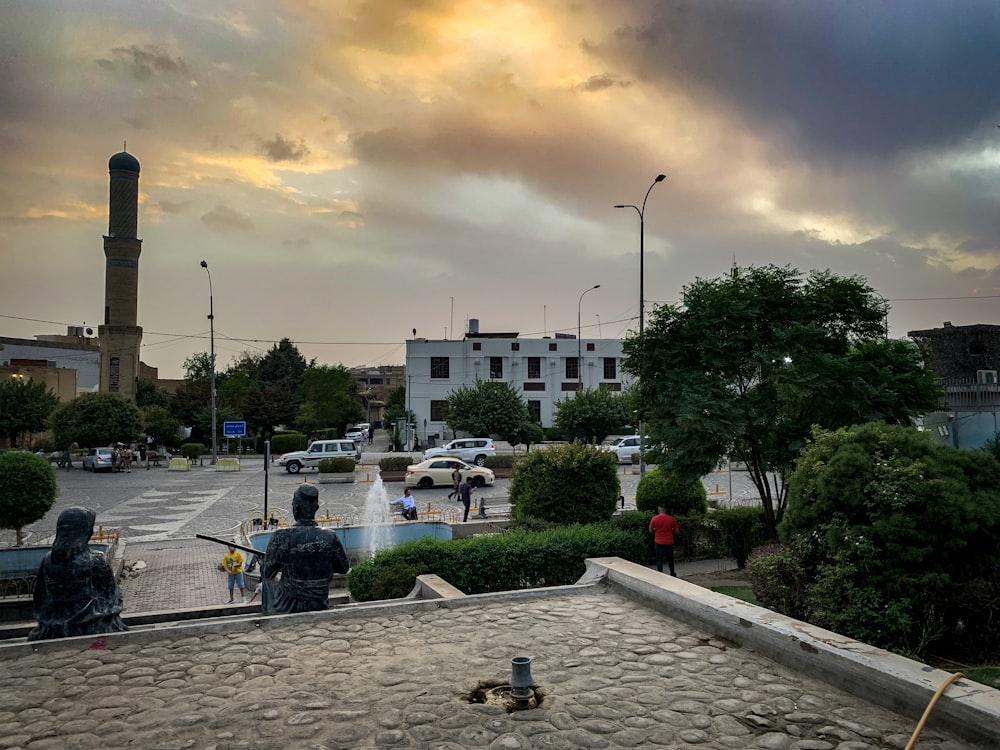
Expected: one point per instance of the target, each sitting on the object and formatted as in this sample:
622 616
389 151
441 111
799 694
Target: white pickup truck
295 461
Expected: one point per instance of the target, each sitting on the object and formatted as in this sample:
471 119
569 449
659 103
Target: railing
966 394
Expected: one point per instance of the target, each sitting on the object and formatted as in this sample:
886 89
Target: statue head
74 528
305 503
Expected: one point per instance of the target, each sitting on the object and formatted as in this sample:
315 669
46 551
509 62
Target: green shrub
699 538
572 483
395 463
742 529
286 442
191 451
27 490
778 577
679 496
336 465
501 562
395 580
505 461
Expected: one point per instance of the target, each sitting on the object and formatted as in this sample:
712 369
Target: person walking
664 526
465 495
409 505
232 562
456 482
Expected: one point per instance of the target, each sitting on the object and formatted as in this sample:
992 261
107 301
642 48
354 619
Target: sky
354 170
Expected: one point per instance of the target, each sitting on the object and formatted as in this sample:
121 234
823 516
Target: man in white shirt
409 505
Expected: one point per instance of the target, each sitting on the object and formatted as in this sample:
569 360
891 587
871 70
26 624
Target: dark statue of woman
306 556
75 591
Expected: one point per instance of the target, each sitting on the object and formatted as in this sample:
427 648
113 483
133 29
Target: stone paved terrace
612 671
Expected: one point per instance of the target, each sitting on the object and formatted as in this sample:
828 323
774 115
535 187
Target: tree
680 497
751 361
96 419
329 399
891 528
395 407
283 367
268 407
160 423
27 490
591 415
488 408
148 394
572 482
24 407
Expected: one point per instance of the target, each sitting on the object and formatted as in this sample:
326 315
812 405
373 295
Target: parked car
356 435
624 448
99 459
470 450
436 472
295 461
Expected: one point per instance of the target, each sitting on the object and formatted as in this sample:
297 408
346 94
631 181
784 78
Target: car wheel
480 460
292 467
479 482
425 483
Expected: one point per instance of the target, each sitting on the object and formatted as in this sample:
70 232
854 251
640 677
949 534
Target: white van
320 449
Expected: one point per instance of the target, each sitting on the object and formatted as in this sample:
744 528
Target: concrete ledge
430 586
227 464
340 477
179 464
967 708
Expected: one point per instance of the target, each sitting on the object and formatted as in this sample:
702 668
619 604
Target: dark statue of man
306 556
75 591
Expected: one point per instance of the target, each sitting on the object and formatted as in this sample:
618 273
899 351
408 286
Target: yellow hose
930 706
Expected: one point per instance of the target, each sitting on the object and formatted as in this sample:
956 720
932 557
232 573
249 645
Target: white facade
543 370
84 357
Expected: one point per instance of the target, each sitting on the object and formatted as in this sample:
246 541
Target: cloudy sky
354 170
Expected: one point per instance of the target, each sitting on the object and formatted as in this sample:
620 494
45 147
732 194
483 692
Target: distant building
374 386
543 370
78 354
966 359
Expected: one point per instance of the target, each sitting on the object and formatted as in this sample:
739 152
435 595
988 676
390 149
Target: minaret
120 337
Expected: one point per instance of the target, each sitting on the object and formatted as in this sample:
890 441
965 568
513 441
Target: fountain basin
357 540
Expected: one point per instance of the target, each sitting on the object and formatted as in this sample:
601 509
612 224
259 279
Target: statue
75 591
306 556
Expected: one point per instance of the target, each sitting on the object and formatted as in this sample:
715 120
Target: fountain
378 518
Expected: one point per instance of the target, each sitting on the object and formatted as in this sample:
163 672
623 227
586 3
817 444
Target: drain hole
499 693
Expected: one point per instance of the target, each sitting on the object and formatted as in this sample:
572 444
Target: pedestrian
456 482
371 434
408 503
465 495
232 562
664 526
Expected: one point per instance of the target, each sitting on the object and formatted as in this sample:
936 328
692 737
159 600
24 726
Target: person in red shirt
664 527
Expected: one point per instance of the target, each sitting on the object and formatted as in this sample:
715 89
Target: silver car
99 459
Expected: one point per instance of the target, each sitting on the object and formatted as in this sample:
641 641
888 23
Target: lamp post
211 356
579 339
642 299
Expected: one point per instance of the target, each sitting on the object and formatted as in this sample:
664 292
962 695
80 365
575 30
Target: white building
543 370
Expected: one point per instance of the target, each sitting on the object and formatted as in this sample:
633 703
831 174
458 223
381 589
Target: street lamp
579 339
211 356
642 299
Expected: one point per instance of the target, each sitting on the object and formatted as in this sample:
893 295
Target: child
232 562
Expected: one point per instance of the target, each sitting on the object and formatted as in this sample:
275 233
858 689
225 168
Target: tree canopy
750 361
488 408
591 415
95 419
27 490
329 399
24 407
283 367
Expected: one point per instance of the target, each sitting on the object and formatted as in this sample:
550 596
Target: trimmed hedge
338 465
286 442
396 463
500 562
191 451
506 461
742 530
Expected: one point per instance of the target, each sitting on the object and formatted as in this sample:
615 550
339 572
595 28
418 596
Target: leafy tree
395 407
232 389
160 423
678 495
148 394
891 527
95 419
591 415
189 400
198 367
329 399
27 490
751 361
283 367
488 408
572 483
268 407
24 407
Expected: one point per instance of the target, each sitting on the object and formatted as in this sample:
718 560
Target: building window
477 346
572 385
590 347
534 367
572 368
538 386
496 368
439 411
515 346
610 368
552 347
611 386
535 411
375 381
439 367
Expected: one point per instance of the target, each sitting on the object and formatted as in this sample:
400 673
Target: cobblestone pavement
610 674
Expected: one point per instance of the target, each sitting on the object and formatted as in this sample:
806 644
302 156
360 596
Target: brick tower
120 337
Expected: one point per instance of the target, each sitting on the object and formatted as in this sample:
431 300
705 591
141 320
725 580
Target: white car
357 436
436 472
470 450
295 461
624 448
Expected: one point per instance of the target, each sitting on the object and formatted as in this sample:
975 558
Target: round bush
191 451
338 465
680 497
572 483
27 489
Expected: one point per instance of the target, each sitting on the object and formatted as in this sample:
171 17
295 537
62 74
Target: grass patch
744 593
984 675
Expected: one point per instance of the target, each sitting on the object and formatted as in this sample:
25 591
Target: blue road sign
234 429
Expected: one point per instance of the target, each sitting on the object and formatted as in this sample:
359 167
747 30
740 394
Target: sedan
99 459
436 472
